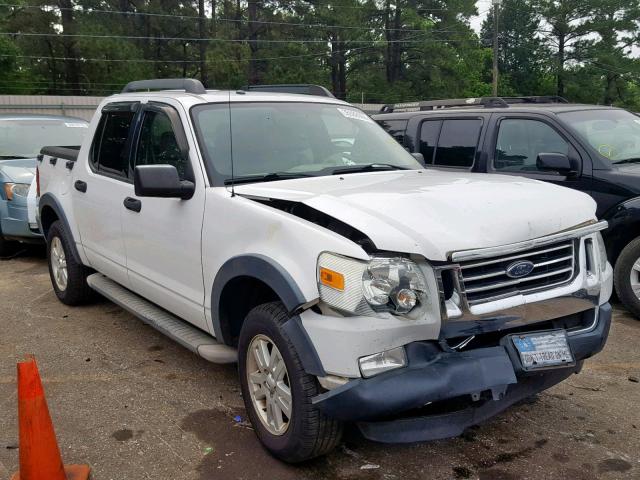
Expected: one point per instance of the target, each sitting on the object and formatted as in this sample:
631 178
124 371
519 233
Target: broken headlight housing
383 284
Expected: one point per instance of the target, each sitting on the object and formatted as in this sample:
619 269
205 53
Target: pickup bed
291 234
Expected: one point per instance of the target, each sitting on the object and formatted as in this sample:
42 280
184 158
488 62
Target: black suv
590 148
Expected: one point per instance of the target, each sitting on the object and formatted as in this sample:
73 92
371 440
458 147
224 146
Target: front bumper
14 222
492 376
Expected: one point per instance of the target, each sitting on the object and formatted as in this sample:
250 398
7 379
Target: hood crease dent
432 212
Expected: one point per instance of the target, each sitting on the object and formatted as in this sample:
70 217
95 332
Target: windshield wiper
269 177
372 167
628 160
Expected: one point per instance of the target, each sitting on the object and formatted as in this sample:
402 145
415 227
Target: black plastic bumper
433 376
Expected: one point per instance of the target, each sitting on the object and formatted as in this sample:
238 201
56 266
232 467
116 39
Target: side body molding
49 201
273 274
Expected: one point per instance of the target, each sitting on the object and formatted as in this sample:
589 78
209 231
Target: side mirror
161 181
419 157
557 162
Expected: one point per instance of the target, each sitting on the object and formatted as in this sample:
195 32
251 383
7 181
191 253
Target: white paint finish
163 243
340 341
237 226
433 212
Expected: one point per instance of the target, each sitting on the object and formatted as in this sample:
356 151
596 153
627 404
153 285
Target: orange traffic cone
39 453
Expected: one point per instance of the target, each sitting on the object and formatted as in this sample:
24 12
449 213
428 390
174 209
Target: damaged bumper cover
492 376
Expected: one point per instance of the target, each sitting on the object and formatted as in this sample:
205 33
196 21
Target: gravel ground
135 405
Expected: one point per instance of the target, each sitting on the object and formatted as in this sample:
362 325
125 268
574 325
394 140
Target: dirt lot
135 405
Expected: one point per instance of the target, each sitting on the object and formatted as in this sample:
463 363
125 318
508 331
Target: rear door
163 236
517 140
99 186
449 141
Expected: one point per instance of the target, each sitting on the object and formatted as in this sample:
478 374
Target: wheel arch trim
282 283
49 201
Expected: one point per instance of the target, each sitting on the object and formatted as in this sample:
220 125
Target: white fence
73 106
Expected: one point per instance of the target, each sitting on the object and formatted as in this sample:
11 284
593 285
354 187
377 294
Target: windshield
24 138
615 134
290 140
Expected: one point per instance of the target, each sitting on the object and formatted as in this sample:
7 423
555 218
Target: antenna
233 183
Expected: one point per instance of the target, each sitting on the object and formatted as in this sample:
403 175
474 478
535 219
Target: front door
163 235
519 140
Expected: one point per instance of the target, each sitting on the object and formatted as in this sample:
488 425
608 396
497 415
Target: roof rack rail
301 88
486 102
189 85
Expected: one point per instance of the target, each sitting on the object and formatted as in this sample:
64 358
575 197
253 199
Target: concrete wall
82 107
73 106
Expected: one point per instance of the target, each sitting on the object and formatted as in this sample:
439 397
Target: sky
483 8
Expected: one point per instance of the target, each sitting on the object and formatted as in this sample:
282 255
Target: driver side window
158 145
521 140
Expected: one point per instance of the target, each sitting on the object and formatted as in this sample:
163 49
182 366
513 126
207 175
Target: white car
348 282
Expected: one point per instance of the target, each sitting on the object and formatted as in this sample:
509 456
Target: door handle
80 186
132 204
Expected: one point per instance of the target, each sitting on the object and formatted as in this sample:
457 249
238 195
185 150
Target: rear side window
110 152
458 142
429 133
395 128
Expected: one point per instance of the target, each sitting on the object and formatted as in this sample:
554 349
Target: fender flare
48 200
273 274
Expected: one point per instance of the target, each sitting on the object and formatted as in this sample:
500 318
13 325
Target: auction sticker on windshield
543 350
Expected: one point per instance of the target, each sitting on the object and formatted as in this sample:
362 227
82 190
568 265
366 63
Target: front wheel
68 277
626 276
277 392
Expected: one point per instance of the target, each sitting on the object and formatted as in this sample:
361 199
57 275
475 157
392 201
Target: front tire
277 392
626 277
68 277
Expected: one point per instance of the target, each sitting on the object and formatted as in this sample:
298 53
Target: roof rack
485 102
302 88
189 85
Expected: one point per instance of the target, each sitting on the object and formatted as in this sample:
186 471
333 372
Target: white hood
434 213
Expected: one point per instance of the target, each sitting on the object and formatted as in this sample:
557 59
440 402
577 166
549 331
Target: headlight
393 285
16 190
383 284
602 251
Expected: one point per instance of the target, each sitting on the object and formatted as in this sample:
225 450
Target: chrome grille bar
487 280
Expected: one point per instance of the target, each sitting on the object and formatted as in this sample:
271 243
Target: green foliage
376 51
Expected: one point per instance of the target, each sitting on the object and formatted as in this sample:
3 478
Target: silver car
21 138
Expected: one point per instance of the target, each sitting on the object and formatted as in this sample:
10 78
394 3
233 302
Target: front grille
486 279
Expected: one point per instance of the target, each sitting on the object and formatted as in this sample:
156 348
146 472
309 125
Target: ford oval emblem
520 269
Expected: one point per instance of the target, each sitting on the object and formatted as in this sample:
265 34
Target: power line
221 40
218 19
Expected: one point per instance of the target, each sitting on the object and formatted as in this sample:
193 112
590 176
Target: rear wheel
627 277
68 277
277 392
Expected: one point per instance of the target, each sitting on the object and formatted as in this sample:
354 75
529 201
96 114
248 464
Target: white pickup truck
291 234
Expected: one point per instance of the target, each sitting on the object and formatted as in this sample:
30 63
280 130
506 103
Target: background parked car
21 138
591 148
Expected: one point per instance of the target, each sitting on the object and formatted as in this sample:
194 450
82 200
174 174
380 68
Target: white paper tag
76 125
355 114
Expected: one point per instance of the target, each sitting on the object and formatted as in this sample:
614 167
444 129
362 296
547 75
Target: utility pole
496 10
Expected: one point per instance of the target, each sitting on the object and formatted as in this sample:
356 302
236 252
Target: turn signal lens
331 279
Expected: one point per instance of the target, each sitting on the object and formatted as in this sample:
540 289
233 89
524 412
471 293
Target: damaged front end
441 393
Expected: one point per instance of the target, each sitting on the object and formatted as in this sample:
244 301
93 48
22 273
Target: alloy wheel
269 384
58 264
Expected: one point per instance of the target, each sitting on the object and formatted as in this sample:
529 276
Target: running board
182 332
